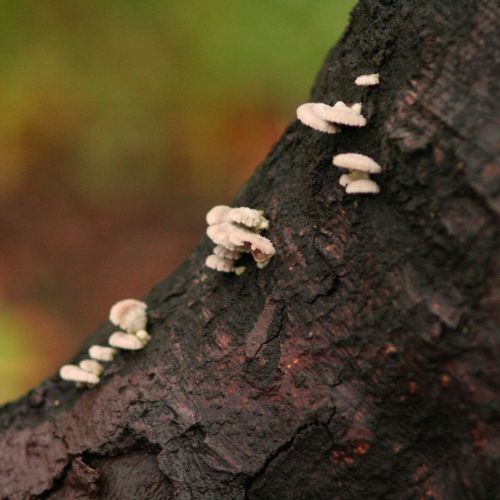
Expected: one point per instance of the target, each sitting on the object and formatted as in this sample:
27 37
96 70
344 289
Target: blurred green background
122 122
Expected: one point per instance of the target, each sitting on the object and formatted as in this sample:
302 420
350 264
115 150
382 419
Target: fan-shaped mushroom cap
313 114
127 341
218 214
249 217
358 162
362 186
219 264
74 373
224 253
102 353
91 366
344 115
219 234
245 216
366 80
346 179
353 108
261 248
129 314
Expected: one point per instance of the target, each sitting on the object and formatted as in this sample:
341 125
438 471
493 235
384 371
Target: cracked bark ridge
363 361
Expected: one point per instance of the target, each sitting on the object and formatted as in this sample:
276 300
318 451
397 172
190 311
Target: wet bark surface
363 361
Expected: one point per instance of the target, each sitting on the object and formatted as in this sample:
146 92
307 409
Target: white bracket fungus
358 181
313 114
362 186
225 253
102 353
236 231
367 80
357 162
223 265
248 217
346 115
127 341
91 366
129 314
322 117
74 373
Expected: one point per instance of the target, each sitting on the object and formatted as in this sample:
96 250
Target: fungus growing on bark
261 248
362 186
224 253
346 115
129 314
74 373
126 341
236 231
143 336
312 114
249 217
357 181
367 80
357 162
224 265
321 116
102 353
91 366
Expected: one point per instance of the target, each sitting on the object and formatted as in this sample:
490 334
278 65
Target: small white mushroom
354 108
219 234
236 231
224 253
74 373
143 336
223 265
358 162
345 115
261 248
127 341
313 114
237 239
346 179
219 264
91 366
362 186
102 353
249 217
358 179
129 314
218 214
367 80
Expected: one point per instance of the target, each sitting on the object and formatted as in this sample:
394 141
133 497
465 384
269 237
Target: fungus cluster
360 167
236 231
130 315
326 118
367 80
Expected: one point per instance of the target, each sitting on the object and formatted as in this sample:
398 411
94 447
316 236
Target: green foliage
116 83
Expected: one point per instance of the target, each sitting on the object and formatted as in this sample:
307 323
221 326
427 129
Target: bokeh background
122 122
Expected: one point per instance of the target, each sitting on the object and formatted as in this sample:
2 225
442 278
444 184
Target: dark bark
363 361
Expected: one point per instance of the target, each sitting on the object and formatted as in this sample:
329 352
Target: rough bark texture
363 361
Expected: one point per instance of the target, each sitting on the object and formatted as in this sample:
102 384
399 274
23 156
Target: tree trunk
362 362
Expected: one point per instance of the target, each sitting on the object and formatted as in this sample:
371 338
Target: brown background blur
121 123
